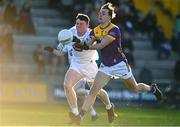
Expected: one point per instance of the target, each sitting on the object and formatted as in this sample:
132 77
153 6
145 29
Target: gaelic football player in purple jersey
114 63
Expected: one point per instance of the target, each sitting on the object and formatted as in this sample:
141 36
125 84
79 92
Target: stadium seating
144 54
47 22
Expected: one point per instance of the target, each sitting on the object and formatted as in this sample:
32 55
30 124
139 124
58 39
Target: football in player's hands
49 49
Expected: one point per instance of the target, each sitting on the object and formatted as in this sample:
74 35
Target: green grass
57 115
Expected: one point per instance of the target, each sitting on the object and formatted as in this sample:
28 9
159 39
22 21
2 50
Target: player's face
81 26
104 16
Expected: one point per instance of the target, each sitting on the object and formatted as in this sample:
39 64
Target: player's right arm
60 51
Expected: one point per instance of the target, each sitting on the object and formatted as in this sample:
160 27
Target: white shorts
120 70
87 69
80 85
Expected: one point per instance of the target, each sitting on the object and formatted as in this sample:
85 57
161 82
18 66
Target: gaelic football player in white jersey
80 85
82 66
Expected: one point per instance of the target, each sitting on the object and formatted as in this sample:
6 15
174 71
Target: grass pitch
57 115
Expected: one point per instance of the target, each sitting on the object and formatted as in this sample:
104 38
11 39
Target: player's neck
81 33
105 24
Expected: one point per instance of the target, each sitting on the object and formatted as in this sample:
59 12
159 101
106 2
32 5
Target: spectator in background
10 13
25 21
158 37
150 22
8 39
165 50
177 71
125 16
6 42
39 58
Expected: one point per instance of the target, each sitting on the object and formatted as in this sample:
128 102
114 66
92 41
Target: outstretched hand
49 49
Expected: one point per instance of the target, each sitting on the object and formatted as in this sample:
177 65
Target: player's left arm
104 42
107 39
91 46
60 50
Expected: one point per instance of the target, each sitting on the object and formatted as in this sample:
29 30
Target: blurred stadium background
31 76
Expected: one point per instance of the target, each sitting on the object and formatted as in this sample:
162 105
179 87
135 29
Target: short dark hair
110 8
83 17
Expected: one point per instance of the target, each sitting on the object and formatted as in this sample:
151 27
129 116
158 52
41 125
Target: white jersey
82 62
80 57
85 55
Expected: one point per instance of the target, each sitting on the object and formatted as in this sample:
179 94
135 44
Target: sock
108 106
93 112
75 111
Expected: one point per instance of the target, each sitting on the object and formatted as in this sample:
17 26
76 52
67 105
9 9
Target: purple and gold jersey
112 53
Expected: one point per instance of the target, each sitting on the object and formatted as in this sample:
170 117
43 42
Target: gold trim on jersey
100 32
